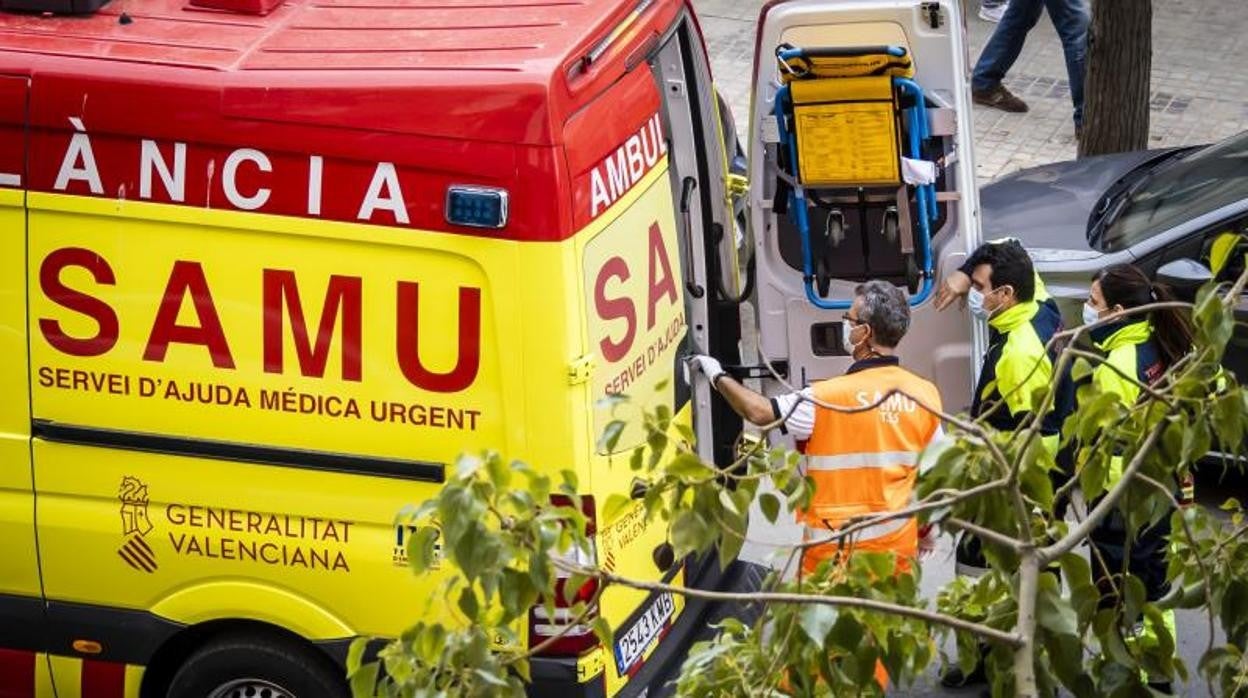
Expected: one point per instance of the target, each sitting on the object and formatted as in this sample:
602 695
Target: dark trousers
1070 18
1145 559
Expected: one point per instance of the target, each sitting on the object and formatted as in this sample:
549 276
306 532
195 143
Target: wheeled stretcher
842 115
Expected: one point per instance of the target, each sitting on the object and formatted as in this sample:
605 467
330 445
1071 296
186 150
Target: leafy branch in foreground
511 539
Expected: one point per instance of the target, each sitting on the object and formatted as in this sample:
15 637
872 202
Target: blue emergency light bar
476 207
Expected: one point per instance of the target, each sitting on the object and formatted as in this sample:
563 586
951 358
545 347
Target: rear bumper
557 677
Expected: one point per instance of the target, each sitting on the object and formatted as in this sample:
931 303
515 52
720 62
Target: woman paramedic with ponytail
1142 347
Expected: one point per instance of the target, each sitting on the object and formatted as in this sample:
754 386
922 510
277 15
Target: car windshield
1197 183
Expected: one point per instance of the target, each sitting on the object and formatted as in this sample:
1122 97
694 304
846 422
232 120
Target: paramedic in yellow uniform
1138 350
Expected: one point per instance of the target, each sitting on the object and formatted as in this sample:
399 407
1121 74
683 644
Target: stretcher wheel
823 276
835 228
913 276
891 227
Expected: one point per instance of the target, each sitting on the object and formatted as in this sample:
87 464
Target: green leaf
1228 419
1052 611
1080 369
615 506
500 474
846 633
1235 608
816 621
490 677
468 603
1172 441
1034 475
732 540
521 665
1196 441
602 629
611 436
688 466
467 466
689 532
636 460
770 505
364 680
657 441
355 654
572 586
1093 475
421 549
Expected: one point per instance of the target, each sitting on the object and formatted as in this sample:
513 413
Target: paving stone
1199 87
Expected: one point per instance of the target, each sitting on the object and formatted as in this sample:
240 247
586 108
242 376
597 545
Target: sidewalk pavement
1199 87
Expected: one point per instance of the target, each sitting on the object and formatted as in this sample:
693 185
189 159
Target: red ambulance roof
479 69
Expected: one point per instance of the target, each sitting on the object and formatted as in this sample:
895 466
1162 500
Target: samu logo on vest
889 408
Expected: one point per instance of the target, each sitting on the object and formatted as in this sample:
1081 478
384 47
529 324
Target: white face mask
847 329
1090 314
975 303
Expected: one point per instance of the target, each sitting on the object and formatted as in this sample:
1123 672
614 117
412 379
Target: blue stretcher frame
925 194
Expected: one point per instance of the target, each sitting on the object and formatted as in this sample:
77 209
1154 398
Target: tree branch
928 504
984 631
1108 502
1024 653
1090 356
986 534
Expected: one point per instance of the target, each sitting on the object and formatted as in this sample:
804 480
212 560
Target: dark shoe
999 98
954 678
1163 688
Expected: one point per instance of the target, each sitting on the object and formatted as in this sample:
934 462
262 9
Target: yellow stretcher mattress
846 132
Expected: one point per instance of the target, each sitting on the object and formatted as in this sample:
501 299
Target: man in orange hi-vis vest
864 462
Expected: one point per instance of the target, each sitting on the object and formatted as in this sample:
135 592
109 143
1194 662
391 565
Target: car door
1219 248
21 596
867 228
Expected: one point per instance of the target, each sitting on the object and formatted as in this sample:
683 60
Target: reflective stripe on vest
849 461
877 530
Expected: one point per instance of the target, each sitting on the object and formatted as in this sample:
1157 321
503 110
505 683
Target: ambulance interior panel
882 187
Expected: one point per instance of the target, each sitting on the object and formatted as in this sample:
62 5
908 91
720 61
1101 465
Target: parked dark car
1179 214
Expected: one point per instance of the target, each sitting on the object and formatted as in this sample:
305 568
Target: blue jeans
1070 18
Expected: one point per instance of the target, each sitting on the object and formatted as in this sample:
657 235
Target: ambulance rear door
872 142
698 160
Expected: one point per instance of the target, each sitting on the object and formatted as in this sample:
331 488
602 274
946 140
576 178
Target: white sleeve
940 441
798 412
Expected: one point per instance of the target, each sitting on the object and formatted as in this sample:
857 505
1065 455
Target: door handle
687 186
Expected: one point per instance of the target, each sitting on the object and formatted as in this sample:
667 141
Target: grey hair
885 310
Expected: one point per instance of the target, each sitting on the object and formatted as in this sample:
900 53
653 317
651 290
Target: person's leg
969 562
1070 19
1148 564
1005 44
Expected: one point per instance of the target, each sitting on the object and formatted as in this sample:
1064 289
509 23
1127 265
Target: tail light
574 638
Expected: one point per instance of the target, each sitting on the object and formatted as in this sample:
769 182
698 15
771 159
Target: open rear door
860 145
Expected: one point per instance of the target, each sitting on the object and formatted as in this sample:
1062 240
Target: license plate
633 642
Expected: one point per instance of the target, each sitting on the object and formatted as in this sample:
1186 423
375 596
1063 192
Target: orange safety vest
866 462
